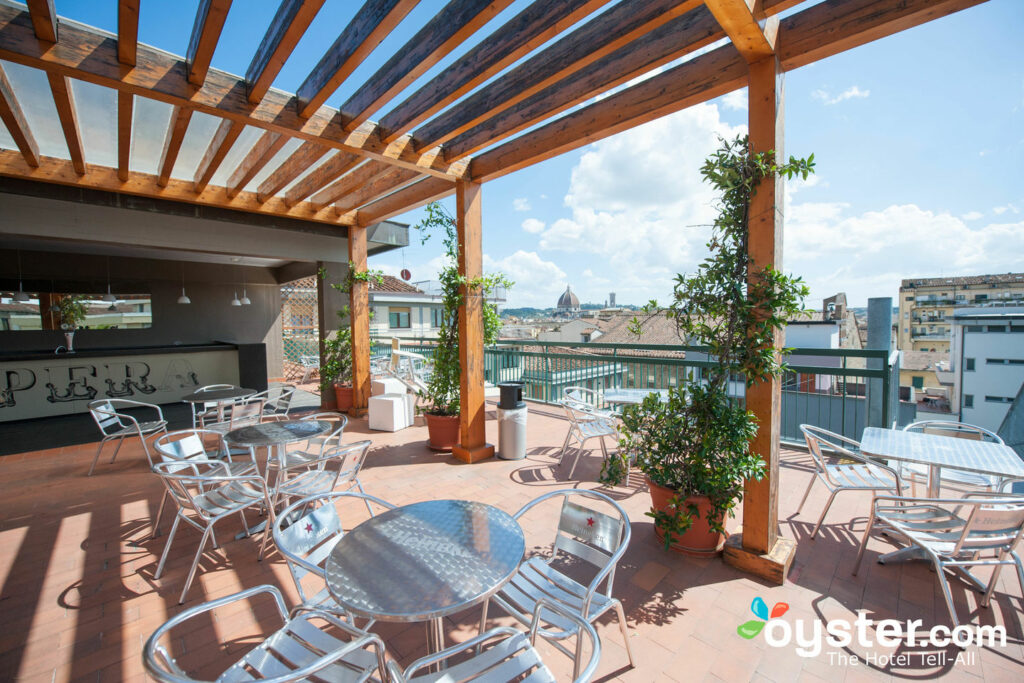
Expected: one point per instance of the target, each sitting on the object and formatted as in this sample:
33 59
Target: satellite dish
406 275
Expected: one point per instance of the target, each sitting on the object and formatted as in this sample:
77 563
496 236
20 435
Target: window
969 364
995 328
910 298
436 317
998 399
968 400
917 381
398 318
1004 361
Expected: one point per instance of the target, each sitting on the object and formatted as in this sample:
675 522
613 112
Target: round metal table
424 561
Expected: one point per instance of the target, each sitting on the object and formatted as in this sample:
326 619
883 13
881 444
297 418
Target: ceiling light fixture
20 296
245 295
108 297
183 299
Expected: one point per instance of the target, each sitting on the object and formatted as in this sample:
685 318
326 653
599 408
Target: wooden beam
359 321
64 99
14 118
227 132
336 166
300 160
205 33
286 29
128 31
524 33
835 26
172 143
682 35
736 17
62 172
262 152
350 182
371 24
381 184
125 112
91 56
447 30
406 199
44 19
472 445
703 78
593 40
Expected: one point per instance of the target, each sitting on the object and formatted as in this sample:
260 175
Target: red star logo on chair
590 521
309 528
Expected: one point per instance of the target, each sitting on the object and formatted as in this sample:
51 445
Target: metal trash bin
511 422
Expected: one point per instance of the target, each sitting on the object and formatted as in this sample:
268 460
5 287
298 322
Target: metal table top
277 433
217 395
982 457
425 560
632 396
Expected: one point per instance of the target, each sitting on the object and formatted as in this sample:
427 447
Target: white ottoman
389 412
386 385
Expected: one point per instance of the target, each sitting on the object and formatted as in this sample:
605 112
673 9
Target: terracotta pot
443 431
343 396
328 401
699 539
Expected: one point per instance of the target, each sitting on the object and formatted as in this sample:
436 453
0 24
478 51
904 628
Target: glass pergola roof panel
149 130
97 122
201 129
239 150
32 90
278 159
6 141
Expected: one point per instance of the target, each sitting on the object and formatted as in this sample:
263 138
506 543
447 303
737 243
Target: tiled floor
79 598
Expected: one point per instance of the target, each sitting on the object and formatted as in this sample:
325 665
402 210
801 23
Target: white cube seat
386 385
389 412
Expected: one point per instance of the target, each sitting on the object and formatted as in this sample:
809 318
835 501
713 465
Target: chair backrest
245 413
190 444
106 416
581 396
821 440
212 387
319 444
350 458
187 479
960 430
992 525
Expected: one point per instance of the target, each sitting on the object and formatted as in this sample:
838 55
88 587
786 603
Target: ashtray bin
511 421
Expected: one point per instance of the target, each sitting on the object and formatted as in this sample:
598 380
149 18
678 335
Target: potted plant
441 397
71 310
694 447
336 362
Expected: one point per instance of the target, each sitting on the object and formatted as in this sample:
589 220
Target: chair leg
576 461
565 444
864 542
823 512
97 457
116 449
992 582
160 514
266 533
624 628
195 563
579 655
167 546
359 485
814 478
940 574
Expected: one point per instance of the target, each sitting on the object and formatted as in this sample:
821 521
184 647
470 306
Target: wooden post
472 444
759 549
359 320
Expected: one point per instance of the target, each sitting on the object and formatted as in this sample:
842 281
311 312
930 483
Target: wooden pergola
457 130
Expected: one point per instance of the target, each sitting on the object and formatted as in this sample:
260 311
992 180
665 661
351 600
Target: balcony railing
842 390
936 302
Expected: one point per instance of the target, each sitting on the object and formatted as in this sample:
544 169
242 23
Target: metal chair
317 445
957 480
502 654
204 411
954 533
277 401
206 493
114 423
307 541
853 472
583 426
240 413
586 400
312 643
338 466
583 535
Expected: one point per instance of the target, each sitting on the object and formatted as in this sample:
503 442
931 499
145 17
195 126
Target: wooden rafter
92 57
262 152
737 19
62 172
205 33
681 36
125 112
64 99
418 194
128 31
363 185
371 24
225 136
703 78
525 32
44 19
17 126
300 160
447 30
593 40
336 166
289 24
172 143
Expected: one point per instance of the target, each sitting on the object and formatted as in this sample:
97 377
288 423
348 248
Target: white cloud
533 226
850 93
521 204
1000 210
537 282
736 100
972 216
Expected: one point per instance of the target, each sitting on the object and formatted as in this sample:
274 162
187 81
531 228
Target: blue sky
918 138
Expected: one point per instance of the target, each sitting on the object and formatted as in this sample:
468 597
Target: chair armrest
444 654
595 643
140 404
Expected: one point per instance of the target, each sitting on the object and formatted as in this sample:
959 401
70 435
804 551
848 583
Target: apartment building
988 362
926 305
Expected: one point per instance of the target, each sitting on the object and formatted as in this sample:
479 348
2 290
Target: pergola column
759 549
359 320
472 444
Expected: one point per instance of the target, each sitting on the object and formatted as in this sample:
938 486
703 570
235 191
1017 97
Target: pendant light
108 297
183 299
245 296
236 301
20 296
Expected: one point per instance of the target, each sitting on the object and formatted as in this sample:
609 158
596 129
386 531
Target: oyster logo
751 628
